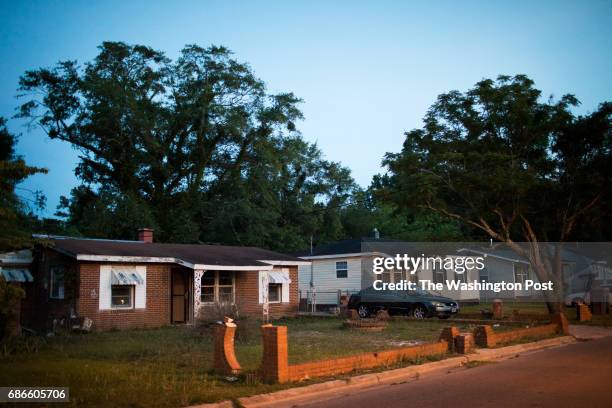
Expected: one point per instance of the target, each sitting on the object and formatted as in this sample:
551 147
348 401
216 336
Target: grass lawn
171 366
538 308
509 306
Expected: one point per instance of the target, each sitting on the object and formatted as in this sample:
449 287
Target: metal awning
278 277
16 274
126 276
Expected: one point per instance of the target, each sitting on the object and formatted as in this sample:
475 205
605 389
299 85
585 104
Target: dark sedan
416 303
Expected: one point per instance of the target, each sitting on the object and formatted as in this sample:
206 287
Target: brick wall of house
247 294
156 313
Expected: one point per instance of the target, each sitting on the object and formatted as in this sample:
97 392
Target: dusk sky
367 71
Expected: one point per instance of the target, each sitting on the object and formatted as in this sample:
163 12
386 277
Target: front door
179 296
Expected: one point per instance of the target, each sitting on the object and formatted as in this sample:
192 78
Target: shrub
210 314
10 298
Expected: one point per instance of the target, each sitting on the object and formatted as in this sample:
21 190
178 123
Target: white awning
17 275
126 276
279 277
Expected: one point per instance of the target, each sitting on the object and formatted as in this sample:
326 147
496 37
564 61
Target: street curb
404 374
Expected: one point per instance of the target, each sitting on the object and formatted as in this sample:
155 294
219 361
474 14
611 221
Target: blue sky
367 71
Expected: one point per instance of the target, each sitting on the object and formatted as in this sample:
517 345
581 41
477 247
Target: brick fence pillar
560 319
464 343
449 334
275 361
484 336
498 309
224 358
583 313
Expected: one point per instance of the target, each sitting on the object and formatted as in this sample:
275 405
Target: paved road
577 375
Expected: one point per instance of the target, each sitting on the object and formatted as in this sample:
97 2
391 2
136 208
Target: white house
344 267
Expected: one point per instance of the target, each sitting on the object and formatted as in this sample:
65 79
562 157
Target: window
413 277
385 277
461 277
521 273
439 275
483 275
275 292
217 286
226 287
398 276
122 296
341 269
57 282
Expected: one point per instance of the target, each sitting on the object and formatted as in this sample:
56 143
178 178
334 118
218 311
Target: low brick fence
275 367
485 336
343 365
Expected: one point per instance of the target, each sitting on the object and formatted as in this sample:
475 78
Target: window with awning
275 286
126 276
278 277
16 274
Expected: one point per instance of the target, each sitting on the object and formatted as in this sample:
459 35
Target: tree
195 148
511 167
14 220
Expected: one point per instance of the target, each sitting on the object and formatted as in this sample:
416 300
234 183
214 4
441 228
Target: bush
248 330
211 314
10 301
21 345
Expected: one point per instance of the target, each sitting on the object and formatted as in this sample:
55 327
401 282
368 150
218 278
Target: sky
367 71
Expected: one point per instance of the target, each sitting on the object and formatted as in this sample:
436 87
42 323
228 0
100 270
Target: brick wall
157 312
343 365
247 295
485 336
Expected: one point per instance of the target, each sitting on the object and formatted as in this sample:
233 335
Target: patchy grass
171 366
598 320
509 306
538 308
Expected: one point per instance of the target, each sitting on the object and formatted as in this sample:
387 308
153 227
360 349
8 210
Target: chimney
145 235
375 234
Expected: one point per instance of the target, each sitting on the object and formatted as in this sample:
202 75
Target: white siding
325 281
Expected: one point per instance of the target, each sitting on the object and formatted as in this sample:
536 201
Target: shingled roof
190 255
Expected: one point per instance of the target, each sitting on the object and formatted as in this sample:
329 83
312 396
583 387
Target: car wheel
363 311
419 312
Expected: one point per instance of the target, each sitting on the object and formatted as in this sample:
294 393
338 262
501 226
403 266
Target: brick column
498 309
448 335
224 358
464 343
484 336
275 361
583 313
560 319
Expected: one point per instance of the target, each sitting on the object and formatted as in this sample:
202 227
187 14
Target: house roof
190 255
351 246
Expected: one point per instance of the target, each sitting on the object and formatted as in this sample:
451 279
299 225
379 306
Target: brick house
132 284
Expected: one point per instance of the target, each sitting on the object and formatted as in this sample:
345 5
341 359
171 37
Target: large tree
511 166
195 148
15 218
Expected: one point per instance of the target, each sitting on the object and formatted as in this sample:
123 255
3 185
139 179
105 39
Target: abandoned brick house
130 284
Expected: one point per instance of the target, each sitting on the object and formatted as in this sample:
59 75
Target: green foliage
507 165
195 148
14 219
10 297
